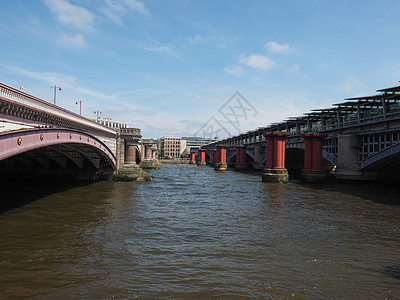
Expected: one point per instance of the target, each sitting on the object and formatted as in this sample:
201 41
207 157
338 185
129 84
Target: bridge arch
72 151
388 158
207 156
139 154
231 156
249 156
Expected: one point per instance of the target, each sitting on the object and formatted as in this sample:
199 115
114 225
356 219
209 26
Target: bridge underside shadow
55 162
19 192
37 162
53 154
294 161
32 175
388 169
232 160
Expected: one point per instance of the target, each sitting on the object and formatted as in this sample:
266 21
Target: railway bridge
358 139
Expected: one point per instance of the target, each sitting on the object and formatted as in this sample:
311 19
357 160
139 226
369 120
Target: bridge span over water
39 139
360 139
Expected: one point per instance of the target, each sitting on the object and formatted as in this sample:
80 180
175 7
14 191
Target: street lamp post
80 106
97 116
55 92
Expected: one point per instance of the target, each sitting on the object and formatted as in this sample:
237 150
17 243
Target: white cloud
73 41
223 41
116 9
257 80
295 69
257 61
197 39
71 15
235 70
63 80
159 48
220 41
351 87
49 77
138 6
278 48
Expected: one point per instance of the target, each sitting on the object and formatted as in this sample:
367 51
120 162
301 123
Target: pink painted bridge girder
16 142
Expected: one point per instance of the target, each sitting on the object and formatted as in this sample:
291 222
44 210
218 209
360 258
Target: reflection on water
195 233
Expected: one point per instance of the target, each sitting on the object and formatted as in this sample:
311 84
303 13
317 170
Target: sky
201 68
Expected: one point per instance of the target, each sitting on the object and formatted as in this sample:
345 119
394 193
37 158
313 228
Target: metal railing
19 98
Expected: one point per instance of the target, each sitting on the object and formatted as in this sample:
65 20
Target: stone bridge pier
128 146
149 150
129 155
347 165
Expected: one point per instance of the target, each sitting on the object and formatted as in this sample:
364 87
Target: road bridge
39 139
359 138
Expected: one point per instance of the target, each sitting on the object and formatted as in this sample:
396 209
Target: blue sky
168 67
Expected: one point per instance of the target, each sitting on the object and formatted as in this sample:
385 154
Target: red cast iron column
240 157
279 152
270 152
222 154
317 152
202 158
313 167
221 158
192 157
275 170
307 152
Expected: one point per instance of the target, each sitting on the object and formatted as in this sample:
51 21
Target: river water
197 233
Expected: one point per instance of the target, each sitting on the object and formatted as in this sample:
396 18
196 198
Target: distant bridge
363 137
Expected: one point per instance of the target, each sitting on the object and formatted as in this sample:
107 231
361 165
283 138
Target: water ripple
196 233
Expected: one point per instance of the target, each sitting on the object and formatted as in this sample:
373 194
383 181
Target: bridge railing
16 97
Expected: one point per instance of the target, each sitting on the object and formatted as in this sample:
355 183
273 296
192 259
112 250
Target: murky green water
195 233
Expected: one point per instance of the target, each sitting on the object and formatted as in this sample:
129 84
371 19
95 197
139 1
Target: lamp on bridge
97 116
80 106
55 92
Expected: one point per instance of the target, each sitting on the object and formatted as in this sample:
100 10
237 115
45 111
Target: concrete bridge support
128 141
202 158
347 166
240 158
148 152
275 170
120 152
142 151
221 159
128 145
258 158
313 168
192 157
130 154
154 152
150 160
